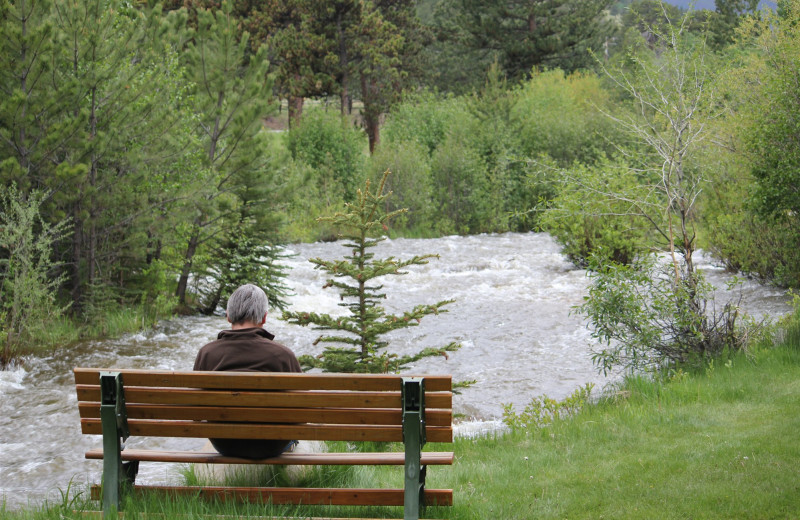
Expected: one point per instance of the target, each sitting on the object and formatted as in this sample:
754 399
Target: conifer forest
154 156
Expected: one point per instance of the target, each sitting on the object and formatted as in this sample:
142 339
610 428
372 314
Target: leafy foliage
334 149
543 410
426 119
559 115
27 286
773 137
649 321
411 183
729 15
592 213
655 313
364 328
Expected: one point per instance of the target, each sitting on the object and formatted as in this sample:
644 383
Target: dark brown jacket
247 350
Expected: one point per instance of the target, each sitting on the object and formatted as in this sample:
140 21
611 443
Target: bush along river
513 315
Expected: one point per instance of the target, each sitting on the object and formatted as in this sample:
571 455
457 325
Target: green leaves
773 135
647 320
27 284
542 411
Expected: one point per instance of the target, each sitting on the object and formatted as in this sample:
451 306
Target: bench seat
428 458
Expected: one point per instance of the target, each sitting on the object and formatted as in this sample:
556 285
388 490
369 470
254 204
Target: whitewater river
513 316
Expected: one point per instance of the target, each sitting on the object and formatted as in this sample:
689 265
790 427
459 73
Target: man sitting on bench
247 347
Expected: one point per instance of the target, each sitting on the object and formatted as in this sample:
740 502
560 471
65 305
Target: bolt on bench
118 404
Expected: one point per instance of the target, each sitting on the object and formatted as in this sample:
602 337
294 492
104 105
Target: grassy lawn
722 443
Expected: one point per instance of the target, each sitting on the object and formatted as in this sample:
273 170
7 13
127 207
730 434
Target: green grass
719 444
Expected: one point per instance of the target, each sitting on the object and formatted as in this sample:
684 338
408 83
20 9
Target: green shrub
29 277
511 190
649 318
558 115
587 219
763 247
334 149
543 410
410 183
462 199
424 119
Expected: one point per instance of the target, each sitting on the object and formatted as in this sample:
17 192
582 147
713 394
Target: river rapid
513 315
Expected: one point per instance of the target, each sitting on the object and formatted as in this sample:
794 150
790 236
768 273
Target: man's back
246 350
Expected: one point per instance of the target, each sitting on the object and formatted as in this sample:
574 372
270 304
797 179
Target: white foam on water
475 429
11 379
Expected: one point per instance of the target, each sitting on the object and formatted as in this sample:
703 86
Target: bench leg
413 484
112 462
414 439
113 418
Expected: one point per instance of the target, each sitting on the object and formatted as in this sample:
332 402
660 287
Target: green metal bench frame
117 474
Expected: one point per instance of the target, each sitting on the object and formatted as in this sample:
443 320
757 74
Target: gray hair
248 303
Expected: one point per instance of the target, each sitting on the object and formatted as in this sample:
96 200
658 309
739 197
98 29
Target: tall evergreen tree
727 18
379 46
533 33
233 94
33 100
303 49
129 85
85 99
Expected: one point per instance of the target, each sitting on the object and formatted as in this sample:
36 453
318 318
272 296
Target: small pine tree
354 276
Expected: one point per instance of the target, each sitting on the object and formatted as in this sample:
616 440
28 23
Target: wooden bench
245 405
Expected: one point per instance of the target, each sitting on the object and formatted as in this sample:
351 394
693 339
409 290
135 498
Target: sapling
356 341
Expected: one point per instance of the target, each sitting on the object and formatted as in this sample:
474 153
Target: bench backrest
251 405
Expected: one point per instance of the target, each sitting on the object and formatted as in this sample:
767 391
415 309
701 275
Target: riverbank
715 444
112 321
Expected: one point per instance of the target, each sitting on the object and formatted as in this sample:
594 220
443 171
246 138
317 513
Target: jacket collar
241 333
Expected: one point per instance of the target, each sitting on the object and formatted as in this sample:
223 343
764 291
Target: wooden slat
433 417
306 496
335 432
279 399
286 399
264 381
139 515
430 458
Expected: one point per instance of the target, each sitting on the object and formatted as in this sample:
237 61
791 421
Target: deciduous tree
647 316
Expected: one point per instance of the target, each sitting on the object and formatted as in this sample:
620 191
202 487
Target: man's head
247 306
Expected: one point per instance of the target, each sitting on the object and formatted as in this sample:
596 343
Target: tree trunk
191 249
371 117
373 128
212 303
295 105
153 249
344 93
76 295
344 97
